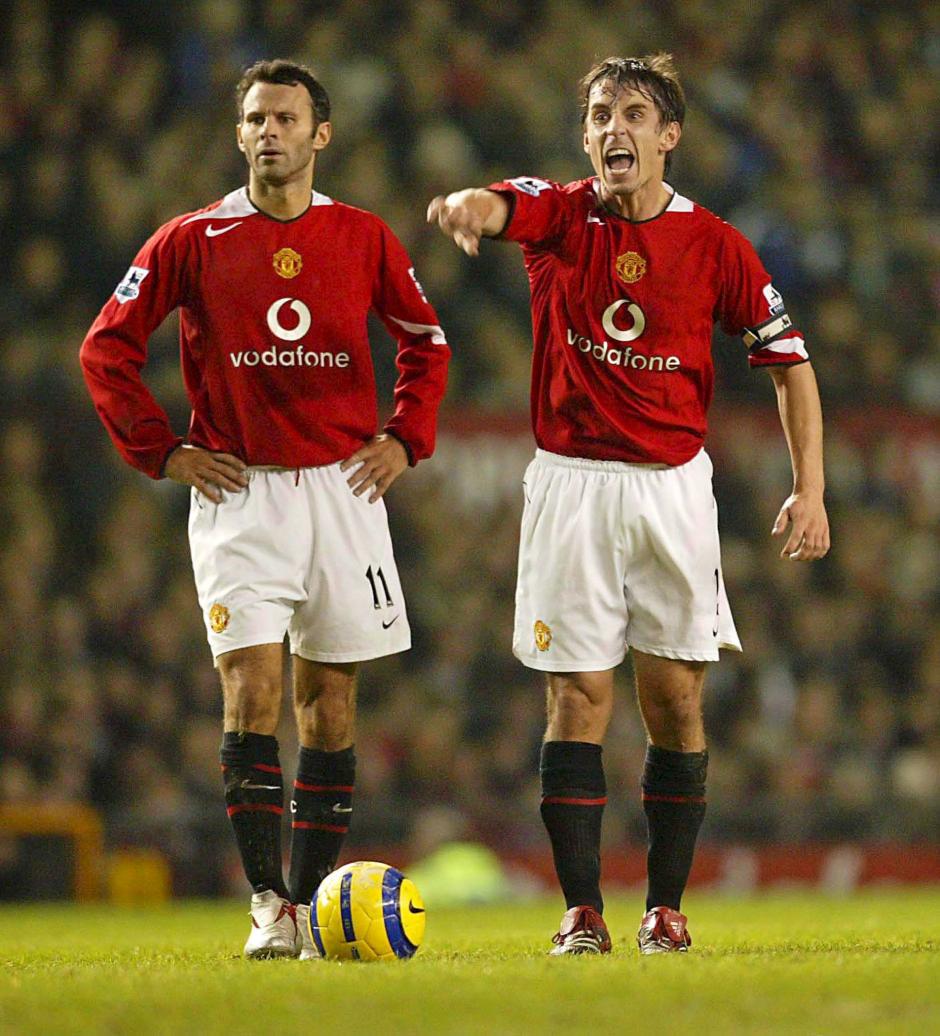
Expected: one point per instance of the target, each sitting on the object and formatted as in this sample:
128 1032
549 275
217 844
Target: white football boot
306 945
274 928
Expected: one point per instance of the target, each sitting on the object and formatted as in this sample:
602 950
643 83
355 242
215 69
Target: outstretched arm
468 215
803 512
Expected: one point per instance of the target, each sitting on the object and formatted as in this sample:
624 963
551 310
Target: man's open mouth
619 160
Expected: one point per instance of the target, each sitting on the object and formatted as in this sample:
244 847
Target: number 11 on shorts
376 603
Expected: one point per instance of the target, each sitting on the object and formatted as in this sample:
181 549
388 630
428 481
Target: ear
238 137
669 138
586 143
322 135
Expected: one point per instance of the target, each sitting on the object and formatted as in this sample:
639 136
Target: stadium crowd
813 128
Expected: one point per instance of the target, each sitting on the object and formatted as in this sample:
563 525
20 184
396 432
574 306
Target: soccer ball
367 911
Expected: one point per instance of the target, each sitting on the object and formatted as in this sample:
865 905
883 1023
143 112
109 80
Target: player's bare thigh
669 692
252 683
325 703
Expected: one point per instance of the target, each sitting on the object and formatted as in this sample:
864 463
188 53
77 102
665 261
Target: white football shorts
615 556
297 552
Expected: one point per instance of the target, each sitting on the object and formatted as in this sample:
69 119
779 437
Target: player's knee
677 723
251 682
576 695
251 704
682 708
326 696
334 709
251 714
328 728
325 714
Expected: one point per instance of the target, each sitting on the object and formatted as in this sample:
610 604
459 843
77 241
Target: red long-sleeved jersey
273 337
622 317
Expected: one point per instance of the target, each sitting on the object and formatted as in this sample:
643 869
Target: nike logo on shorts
385 625
212 231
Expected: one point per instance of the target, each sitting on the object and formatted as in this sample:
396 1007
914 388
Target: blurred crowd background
812 127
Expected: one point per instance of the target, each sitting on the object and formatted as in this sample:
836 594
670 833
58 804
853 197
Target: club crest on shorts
218 618
543 635
630 267
287 263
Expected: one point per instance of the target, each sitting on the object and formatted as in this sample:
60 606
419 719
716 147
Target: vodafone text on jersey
299 357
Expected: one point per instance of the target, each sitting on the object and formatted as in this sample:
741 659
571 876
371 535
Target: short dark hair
653 75
284 73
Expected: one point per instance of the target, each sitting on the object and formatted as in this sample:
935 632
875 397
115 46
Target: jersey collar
677 203
237 205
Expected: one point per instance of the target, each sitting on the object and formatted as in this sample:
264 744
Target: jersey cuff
408 450
166 457
511 198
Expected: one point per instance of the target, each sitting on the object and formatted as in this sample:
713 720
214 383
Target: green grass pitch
784 963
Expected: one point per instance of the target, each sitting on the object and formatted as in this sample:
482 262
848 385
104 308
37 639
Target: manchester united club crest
543 635
287 263
218 618
630 267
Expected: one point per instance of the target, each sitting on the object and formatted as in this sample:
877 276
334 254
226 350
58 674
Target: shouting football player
619 544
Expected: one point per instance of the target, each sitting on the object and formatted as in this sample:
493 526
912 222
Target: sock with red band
573 796
254 797
674 803
321 808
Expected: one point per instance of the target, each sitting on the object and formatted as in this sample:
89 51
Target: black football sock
254 796
321 811
573 796
674 803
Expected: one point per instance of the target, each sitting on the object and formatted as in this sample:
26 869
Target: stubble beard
618 191
271 176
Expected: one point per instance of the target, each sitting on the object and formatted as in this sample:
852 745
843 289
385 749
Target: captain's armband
762 335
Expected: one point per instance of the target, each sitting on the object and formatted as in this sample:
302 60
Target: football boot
582 930
306 946
663 930
273 927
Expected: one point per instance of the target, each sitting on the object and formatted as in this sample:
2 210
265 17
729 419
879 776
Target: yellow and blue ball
367 911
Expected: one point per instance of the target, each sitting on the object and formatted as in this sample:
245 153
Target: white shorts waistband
588 464
305 467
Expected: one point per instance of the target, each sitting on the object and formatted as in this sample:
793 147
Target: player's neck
281 201
647 202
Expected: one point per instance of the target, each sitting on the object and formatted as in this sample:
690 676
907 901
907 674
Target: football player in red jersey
287 529
619 544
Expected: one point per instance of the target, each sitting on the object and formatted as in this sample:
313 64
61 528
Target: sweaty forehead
611 93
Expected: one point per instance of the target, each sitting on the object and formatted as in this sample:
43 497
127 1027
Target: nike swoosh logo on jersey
212 231
385 625
337 808
412 909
